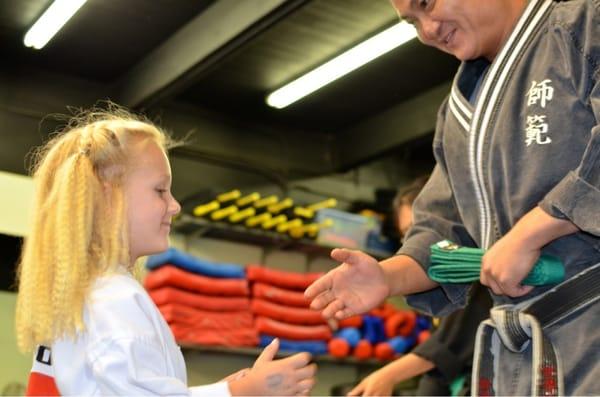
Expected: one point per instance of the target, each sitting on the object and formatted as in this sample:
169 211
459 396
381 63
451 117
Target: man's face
467 29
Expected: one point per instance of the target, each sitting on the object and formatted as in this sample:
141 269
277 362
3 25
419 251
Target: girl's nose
174 207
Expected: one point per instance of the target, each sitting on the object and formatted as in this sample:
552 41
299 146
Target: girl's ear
107 189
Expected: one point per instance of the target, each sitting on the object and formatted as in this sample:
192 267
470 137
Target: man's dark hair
409 193
406 196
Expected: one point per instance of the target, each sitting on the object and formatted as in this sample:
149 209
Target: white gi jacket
126 349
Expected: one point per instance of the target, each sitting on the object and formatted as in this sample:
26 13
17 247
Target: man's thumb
268 353
351 257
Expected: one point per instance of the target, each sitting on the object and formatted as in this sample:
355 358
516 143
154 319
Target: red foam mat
279 295
204 319
291 331
281 278
165 295
294 315
233 338
173 277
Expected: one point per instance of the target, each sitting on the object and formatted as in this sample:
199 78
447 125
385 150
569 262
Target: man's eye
424 4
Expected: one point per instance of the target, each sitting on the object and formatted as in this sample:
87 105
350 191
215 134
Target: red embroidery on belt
549 381
485 387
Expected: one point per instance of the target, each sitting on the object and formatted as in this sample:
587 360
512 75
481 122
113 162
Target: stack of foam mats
203 302
281 310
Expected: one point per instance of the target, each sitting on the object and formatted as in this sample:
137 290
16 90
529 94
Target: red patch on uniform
41 385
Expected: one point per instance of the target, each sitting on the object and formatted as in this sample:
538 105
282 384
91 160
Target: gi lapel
490 97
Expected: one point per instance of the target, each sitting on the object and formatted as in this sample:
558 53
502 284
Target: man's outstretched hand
356 286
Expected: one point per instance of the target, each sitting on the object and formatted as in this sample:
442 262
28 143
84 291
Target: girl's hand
290 376
237 375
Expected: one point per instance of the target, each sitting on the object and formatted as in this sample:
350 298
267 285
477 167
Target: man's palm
354 287
360 286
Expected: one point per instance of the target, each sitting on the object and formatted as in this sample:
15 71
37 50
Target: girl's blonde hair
79 225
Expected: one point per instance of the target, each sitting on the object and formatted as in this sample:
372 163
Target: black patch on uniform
41 353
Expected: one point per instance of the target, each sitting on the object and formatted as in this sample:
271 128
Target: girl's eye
161 191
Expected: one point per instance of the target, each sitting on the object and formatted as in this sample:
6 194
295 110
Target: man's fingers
344 313
332 308
506 287
322 300
321 285
488 278
339 254
483 278
333 324
496 288
488 281
525 289
350 257
515 291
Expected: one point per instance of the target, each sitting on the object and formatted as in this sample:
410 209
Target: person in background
517 174
446 357
103 200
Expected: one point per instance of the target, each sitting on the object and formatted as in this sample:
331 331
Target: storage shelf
191 225
255 351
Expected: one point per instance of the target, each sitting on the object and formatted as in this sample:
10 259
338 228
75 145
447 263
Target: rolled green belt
451 263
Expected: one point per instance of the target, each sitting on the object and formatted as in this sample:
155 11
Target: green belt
451 263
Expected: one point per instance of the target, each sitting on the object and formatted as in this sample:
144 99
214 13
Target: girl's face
467 29
150 205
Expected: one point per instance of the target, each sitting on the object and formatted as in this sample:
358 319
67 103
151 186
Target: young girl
102 201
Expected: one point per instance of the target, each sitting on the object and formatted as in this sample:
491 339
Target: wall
15 200
14 366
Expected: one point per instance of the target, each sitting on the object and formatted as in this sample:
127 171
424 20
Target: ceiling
207 65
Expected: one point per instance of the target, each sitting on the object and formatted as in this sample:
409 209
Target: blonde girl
102 201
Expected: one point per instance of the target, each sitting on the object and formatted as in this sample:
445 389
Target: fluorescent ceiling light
339 66
50 22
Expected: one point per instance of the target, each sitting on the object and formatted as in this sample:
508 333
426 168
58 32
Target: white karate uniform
126 349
